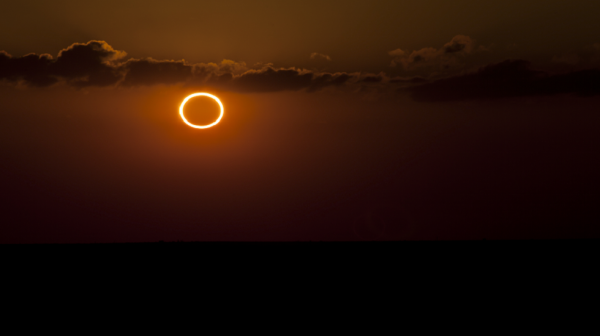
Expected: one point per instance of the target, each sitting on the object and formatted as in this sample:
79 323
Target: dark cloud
31 68
81 64
223 80
270 80
586 58
152 72
88 64
410 80
96 63
458 43
323 80
511 78
371 79
583 83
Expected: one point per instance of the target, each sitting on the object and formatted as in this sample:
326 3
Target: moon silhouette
196 95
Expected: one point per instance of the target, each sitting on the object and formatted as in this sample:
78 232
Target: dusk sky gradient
344 120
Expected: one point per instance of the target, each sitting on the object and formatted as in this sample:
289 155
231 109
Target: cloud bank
81 64
97 64
510 78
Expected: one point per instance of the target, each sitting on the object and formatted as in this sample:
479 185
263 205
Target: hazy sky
344 120
356 34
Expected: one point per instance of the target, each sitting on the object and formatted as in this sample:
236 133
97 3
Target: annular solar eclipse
197 95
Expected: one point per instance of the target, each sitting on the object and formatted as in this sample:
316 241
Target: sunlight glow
196 95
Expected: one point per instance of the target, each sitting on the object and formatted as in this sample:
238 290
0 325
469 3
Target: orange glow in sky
196 95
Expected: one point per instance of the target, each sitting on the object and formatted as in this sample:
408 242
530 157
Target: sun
196 95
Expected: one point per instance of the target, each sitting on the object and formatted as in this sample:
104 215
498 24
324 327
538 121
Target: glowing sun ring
196 95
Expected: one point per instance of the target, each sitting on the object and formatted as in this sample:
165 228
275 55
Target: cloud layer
97 64
510 78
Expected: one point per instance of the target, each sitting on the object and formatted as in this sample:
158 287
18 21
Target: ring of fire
196 95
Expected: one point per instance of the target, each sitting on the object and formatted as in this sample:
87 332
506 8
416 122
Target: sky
343 121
